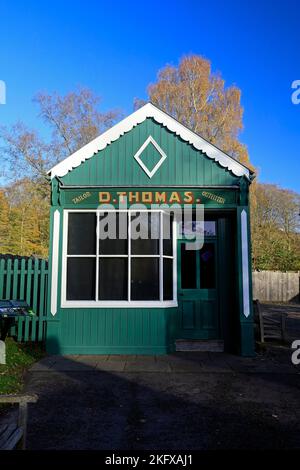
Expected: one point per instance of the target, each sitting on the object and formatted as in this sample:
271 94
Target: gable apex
149 111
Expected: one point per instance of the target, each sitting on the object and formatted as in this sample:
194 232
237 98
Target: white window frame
119 303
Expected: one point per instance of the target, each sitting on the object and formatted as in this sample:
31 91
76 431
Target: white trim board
245 264
148 111
55 252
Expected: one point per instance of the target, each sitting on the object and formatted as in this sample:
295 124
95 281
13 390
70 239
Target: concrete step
207 345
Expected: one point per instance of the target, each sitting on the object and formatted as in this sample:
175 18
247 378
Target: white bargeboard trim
148 111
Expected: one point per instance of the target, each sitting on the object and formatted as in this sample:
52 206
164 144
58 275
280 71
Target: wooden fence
276 286
26 279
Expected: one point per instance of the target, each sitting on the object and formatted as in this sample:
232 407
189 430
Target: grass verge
19 357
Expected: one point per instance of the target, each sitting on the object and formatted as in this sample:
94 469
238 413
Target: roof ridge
149 110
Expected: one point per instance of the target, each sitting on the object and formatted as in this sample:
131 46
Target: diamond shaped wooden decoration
147 142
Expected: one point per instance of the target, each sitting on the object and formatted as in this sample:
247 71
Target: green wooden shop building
128 296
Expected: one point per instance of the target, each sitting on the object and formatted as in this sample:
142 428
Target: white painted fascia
148 111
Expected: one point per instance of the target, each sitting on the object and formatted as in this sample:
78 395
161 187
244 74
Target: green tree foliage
275 229
24 228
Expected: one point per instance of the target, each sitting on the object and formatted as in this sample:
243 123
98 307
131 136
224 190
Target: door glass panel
207 266
206 227
188 268
210 228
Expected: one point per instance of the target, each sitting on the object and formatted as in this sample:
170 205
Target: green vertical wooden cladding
26 279
115 165
148 330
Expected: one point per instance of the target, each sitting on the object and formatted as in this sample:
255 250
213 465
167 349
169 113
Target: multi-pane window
133 265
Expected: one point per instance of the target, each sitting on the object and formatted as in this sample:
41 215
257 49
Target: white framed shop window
122 272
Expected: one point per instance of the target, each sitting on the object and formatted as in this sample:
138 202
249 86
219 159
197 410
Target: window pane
113 276
188 268
189 228
144 279
207 266
113 233
167 234
81 278
145 233
82 233
168 279
210 228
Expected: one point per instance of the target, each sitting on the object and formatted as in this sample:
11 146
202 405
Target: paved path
276 361
185 400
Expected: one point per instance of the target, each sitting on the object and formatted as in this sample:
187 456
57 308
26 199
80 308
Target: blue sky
116 48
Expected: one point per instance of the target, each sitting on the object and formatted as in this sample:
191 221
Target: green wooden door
198 291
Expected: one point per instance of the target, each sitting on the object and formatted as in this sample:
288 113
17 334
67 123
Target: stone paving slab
178 362
148 366
113 366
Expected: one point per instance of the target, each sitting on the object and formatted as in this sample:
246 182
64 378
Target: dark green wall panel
132 330
115 164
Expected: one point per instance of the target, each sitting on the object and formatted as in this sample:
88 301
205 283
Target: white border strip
245 263
55 251
148 111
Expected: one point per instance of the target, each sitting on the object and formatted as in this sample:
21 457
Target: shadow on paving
182 401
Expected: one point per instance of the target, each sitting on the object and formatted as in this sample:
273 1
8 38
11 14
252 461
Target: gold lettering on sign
147 197
122 195
188 197
81 197
104 196
160 197
175 197
134 196
213 197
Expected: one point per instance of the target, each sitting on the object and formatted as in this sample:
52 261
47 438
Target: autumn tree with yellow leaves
199 99
190 92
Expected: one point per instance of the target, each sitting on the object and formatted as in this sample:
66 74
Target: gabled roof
149 111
